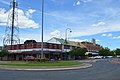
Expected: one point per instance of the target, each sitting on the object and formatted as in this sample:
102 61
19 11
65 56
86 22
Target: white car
98 57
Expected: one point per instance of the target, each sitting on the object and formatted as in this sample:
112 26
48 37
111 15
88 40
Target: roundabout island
43 66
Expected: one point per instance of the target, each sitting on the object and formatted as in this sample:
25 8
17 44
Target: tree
113 53
3 53
104 51
78 52
117 51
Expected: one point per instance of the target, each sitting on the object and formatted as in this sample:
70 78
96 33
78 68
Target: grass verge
60 63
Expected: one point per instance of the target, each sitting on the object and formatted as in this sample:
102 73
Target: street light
66 39
66 34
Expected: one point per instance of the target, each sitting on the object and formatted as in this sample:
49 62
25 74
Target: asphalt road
101 70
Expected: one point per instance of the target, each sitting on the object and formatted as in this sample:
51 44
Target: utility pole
42 53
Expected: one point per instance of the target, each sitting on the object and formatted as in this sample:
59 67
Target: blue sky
99 19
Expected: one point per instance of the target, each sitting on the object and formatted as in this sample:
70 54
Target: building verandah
54 48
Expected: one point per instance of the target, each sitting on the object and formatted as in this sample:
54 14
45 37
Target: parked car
95 57
118 56
98 57
29 58
104 57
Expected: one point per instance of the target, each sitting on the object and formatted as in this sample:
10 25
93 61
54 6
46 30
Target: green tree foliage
112 53
3 53
105 52
78 52
117 51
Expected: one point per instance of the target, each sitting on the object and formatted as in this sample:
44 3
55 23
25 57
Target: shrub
44 59
41 59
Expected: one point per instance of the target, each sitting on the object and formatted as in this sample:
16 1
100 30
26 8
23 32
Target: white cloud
98 40
34 36
3 36
107 35
56 33
3 15
104 34
76 3
81 1
3 24
95 30
75 21
99 24
29 12
23 20
78 40
2 10
82 29
24 39
118 37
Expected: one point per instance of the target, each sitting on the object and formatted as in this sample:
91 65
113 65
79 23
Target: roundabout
100 70
28 66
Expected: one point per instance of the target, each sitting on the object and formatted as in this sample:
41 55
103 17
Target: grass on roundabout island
42 64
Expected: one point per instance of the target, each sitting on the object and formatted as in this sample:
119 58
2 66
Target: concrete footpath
83 65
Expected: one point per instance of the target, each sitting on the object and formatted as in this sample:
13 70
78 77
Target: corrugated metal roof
62 41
